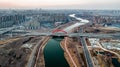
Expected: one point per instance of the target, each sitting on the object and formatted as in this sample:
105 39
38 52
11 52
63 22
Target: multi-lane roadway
86 52
93 35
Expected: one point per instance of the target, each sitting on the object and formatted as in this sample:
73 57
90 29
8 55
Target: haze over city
76 4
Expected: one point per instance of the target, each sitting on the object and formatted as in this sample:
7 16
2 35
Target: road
4 30
31 61
108 50
93 35
66 49
86 52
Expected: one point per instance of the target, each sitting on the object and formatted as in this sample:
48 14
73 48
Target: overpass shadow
58 38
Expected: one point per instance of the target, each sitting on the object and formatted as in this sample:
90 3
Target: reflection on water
54 54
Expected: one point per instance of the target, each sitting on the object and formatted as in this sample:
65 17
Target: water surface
54 54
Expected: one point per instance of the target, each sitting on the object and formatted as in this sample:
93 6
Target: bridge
82 37
59 32
89 35
62 33
5 30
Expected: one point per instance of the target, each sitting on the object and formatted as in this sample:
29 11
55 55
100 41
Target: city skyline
58 4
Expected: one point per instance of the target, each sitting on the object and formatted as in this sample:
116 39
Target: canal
54 54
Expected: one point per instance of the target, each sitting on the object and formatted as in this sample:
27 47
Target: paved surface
94 35
5 30
86 52
85 49
100 46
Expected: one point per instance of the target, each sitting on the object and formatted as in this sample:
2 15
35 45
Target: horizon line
65 8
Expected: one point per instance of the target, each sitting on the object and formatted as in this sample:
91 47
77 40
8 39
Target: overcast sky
80 4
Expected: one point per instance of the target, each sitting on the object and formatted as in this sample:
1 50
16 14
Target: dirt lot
16 53
73 47
101 30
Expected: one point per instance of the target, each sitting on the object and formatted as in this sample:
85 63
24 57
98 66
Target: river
53 53
79 23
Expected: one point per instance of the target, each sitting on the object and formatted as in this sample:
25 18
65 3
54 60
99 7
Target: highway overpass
5 30
89 35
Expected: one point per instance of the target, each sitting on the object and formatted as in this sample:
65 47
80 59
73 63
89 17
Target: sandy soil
72 49
13 54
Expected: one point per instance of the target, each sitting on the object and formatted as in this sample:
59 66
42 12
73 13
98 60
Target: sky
62 4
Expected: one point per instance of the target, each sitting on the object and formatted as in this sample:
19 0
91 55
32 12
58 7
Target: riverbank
70 28
40 55
70 47
54 54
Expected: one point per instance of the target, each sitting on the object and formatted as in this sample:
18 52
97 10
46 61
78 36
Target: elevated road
5 30
85 49
89 35
86 52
